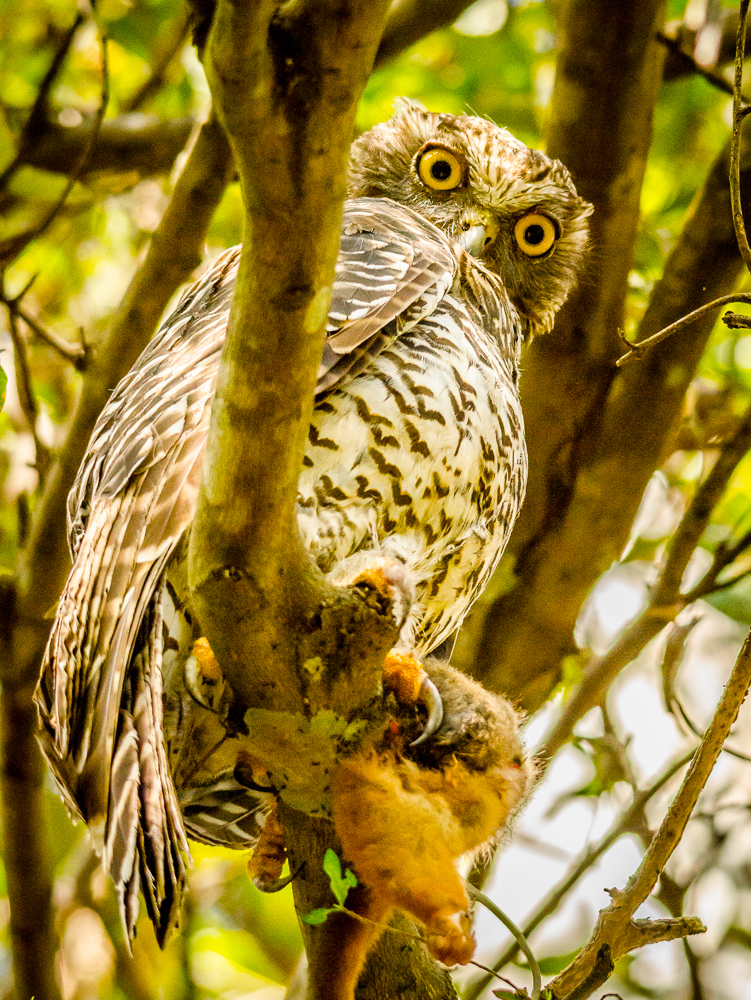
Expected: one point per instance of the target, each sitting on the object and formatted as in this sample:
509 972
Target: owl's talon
430 697
405 676
270 885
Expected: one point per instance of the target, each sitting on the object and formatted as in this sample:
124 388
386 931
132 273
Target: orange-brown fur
404 822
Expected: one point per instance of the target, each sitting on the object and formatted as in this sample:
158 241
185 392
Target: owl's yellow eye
535 234
440 169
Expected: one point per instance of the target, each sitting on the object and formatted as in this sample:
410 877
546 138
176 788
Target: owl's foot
267 860
203 676
389 581
405 676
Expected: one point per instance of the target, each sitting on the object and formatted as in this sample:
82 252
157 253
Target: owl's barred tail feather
146 845
100 706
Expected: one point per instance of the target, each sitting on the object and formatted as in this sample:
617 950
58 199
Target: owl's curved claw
431 699
269 885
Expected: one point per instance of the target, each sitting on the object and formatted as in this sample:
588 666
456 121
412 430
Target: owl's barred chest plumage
422 459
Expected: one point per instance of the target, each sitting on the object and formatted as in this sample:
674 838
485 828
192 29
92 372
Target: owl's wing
99 695
393 269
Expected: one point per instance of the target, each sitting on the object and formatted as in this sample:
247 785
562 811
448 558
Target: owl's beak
476 238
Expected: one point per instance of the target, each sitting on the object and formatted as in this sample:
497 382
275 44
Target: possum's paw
450 939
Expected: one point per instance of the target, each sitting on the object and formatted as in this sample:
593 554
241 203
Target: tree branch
410 20
636 349
665 600
131 143
739 113
38 112
615 927
286 85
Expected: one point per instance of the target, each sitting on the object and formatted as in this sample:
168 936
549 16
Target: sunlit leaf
340 883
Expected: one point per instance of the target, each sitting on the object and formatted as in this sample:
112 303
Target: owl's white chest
421 458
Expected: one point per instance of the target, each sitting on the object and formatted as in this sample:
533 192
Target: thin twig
26 397
636 350
674 46
615 926
15 246
736 321
38 114
724 556
697 731
76 353
735 144
521 940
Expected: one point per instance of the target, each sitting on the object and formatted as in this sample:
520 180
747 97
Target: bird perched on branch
457 242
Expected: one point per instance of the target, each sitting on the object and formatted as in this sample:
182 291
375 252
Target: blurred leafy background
498 61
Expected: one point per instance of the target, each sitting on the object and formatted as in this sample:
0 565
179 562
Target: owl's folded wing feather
133 499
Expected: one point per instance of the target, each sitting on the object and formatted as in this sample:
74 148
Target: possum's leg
267 860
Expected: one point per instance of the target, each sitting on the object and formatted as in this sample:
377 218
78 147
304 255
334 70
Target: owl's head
512 207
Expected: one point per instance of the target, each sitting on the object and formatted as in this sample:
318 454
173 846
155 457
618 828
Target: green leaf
340 884
318 916
3 383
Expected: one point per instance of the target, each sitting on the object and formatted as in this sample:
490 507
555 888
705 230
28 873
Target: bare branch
26 397
689 64
38 113
76 353
143 145
410 20
735 145
162 59
637 349
665 601
615 927
13 247
736 321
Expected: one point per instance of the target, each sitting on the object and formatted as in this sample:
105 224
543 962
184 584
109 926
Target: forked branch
616 932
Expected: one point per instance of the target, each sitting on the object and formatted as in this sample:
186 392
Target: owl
457 243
